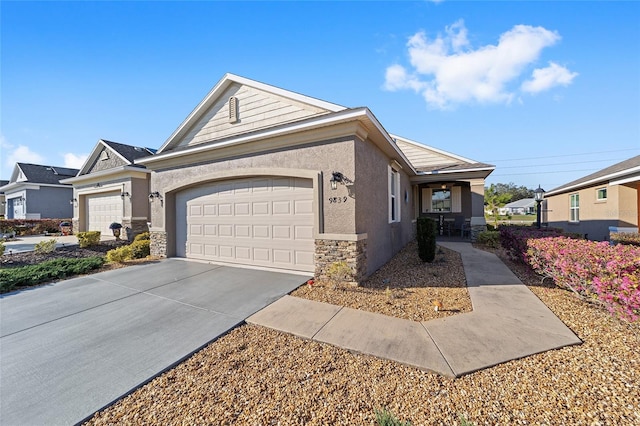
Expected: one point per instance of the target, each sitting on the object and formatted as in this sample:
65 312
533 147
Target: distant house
604 201
2 200
111 188
524 206
36 192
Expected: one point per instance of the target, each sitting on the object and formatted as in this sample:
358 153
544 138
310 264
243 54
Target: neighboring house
261 176
524 206
2 200
111 188
36 192
609 198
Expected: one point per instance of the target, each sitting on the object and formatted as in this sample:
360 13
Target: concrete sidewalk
508 322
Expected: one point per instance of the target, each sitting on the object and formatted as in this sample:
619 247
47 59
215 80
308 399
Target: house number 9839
337 200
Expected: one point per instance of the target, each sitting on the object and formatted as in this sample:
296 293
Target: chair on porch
459 224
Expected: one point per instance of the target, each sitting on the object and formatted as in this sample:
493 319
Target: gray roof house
524 206
599 203
36 192
110 187
264 177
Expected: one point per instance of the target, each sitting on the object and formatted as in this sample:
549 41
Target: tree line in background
498 194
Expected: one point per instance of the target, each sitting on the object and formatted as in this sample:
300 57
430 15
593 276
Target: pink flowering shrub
610 274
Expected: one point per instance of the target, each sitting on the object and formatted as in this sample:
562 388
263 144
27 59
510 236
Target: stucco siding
371 196
323 157
139 203
256 109
595 216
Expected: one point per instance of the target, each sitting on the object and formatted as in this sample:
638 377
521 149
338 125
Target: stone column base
158 243
329 253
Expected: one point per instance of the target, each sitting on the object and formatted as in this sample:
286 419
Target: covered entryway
261 221
102 210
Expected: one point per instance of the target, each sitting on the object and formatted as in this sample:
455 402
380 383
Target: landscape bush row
599 271
631 238
55 269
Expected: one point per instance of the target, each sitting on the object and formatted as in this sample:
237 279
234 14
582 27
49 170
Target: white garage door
102 210
265 221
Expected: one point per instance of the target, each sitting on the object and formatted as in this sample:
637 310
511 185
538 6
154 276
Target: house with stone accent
37 191
110 187
605 201
264 177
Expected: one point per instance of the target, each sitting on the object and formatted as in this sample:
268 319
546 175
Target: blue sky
546 91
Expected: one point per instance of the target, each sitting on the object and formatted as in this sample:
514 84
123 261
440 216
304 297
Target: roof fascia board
30 185
390 140
104 173
477 173
428 147
221 86
601 179
630 179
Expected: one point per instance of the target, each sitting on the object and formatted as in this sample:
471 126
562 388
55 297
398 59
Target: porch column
478 223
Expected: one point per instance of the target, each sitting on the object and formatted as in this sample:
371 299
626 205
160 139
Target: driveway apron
71 348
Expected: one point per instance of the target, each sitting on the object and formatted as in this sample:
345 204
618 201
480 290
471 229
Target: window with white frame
441 200
574 207
394 195
601 194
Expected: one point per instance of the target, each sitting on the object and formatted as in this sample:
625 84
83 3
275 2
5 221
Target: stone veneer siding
158 243
475 230
131 228
354 253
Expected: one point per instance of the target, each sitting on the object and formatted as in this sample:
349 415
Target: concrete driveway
70 348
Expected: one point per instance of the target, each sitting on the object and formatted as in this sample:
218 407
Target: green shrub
46 271
489 238
46 246
427 230
339 272
140 249
89 238
1 248
119 254
144 236
385 418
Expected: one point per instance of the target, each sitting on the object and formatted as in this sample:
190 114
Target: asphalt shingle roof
37 173
618 167
131 153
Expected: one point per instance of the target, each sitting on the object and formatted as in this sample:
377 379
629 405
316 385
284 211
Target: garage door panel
102 210
260 221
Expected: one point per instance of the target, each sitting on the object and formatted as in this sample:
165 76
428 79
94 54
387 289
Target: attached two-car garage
260 221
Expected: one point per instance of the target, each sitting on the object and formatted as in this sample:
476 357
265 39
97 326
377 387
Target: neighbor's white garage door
102 210
265 221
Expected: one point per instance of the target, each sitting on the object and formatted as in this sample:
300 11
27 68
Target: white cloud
546 78
74 161
20 154
448 71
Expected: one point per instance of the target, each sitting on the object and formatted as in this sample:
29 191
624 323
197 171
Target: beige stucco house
257 175
111 188
602 202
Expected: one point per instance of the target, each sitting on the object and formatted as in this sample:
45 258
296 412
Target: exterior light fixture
124 194
538 196
154 195
73 201
335 178
443 186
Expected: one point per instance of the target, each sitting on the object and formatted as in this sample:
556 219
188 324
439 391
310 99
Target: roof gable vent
233 109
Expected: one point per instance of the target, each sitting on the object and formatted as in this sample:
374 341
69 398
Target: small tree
427 229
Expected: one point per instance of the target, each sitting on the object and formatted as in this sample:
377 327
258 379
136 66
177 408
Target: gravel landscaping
259 376
405 287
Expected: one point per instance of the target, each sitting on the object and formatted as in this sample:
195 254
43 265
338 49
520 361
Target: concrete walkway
508 322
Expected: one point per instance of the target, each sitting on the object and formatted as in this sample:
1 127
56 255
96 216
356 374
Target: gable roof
127 153
218 90
38 173
626 168
523 203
